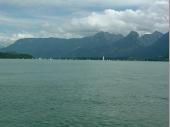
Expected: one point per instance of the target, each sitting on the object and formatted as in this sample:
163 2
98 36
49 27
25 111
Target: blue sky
77 18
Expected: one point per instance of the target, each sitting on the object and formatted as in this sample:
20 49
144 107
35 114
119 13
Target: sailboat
103 58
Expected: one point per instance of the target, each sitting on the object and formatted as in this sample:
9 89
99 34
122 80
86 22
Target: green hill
9 55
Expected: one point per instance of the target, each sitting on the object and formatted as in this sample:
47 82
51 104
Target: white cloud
6 40
142 20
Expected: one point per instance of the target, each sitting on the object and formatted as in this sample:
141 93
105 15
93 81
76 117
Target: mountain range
113 46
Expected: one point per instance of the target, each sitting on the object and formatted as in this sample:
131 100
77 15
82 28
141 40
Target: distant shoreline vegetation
13 55
27 56
107 59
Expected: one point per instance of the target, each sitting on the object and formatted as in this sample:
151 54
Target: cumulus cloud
141 20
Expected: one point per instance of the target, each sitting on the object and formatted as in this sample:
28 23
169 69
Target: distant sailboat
39 58
103 58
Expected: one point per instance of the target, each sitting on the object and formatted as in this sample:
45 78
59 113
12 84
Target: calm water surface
66 93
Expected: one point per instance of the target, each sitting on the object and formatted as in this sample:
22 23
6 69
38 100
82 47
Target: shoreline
74 59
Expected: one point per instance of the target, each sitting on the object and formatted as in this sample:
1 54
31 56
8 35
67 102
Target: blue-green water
66 93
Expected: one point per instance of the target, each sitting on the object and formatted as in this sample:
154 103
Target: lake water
67 93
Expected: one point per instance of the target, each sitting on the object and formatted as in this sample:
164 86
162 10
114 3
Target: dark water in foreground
83 93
